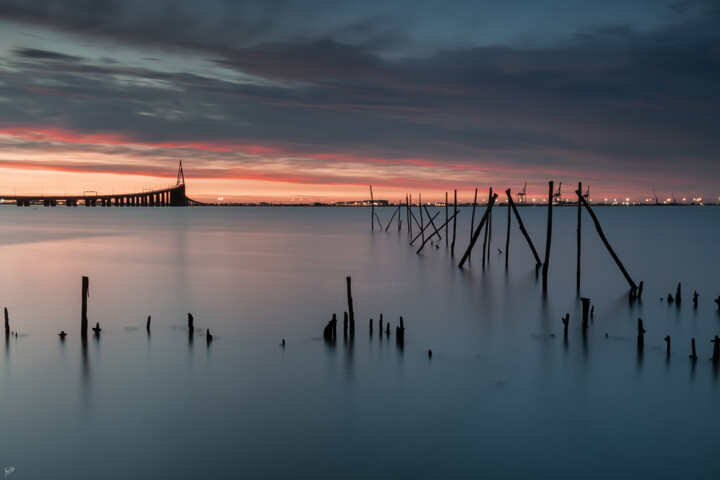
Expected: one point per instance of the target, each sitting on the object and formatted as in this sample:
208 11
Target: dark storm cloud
606 96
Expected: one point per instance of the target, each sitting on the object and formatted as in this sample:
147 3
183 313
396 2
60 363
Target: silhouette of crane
556 195
657 202
521 195
586 195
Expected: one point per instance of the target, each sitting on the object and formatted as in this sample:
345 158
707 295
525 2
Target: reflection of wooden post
491 202
549 237
579 234
522 229
633 287
84 319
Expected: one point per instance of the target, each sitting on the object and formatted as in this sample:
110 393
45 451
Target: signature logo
9 470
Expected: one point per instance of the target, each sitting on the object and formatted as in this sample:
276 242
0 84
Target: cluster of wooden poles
486 224
96 329
330 330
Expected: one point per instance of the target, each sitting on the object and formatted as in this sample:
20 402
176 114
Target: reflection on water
504 381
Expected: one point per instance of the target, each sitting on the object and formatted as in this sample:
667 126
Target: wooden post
422 221
579 234
507 238
350 305
446 220
487 225
585 312
428 238
191 321
455 211
7 324
489 229
477 231
549 236
372 210
83 318
524 232
693 355
472 220
633 287
409 213
147 327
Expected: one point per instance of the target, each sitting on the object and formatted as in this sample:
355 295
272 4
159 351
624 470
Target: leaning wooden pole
455 212
548 238
507 237
633 287
441 226
83 318
437 230
422 221
522 229
487 226
472 219
379 222
421 233
393 216
446 219
372 210
579 235
489 229
484 218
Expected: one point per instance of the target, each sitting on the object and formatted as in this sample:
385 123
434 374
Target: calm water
500 398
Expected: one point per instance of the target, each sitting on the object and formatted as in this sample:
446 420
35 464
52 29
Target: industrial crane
521 195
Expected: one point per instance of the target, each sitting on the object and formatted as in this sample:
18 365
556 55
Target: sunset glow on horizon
306 114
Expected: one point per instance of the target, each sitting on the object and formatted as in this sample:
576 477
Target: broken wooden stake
350 306
446 220
507 238
421 233
455 212
693 355
428 238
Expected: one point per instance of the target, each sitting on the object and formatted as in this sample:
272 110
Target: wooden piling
566 322
641 334
372 210
548 238
633 287
472 219
487 227
522 229
83 318
585 312
409 213
579 235
455 211
491 202
147 326
677 294
191 320
7 323
667 340
446 220
422 222
351 313
507 237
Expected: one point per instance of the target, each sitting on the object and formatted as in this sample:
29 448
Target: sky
279 100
